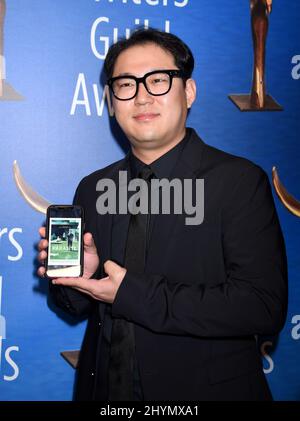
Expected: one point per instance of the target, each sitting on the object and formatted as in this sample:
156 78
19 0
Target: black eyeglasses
158 82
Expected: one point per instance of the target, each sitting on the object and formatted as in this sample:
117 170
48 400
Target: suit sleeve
69 299
252 299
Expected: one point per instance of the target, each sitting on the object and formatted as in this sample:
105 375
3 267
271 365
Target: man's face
152 122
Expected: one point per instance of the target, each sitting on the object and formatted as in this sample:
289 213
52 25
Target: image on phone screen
64 250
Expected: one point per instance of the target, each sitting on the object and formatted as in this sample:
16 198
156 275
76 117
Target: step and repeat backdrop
55 121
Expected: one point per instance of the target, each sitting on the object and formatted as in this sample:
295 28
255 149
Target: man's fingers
42 245
42 232
89 243
41 271
42 256
84 284
110 267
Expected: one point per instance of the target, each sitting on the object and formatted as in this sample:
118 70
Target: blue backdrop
60 132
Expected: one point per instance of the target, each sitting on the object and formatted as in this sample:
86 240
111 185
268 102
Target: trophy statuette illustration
289 201
258 99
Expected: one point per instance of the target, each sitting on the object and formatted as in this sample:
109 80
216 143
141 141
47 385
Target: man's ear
190 92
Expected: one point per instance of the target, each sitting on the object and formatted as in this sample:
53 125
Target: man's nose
143 95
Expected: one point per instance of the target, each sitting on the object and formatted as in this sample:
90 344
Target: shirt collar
163 166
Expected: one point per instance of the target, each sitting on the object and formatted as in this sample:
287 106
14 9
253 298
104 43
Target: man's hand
104 289
91 259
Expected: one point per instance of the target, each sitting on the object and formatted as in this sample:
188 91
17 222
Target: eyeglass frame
172 73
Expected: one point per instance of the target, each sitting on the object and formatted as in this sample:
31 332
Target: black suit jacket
207 291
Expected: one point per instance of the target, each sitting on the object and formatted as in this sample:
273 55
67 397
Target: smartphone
64 232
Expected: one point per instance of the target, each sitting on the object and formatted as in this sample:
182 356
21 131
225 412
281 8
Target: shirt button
92 374
99 324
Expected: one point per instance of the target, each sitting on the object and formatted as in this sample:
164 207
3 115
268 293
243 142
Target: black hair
183 57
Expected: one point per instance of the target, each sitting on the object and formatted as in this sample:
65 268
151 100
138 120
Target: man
180 324
70 241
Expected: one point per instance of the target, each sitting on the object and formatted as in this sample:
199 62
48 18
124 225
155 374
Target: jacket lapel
187 167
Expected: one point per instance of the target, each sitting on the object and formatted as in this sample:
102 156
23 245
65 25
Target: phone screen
64 229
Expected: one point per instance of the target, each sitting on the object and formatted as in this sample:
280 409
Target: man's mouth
145 116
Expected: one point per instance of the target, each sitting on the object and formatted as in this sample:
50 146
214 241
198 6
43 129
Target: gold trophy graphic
7 92
258 99
289 201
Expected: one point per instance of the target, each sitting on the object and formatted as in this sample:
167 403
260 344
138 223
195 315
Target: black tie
122 365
